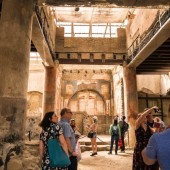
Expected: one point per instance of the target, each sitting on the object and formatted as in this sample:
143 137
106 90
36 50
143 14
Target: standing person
152 121
158 149
69 135
48 123
74 127
78 148
73 124
123 128
115 135
93 130
143 133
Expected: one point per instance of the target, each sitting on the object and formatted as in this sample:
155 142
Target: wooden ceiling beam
94 62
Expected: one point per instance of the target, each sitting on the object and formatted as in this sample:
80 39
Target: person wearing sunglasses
69 136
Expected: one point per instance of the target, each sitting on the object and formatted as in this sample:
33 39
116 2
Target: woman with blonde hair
93 132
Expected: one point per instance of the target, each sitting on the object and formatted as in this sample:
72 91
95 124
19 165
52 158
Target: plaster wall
165 83
140 24
36 81
153 84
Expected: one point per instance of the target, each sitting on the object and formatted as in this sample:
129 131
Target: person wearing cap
69 136
124 126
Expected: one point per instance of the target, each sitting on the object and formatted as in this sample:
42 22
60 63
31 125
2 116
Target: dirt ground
103 161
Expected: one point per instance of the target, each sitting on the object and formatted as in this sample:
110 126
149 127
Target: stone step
99 148
89 143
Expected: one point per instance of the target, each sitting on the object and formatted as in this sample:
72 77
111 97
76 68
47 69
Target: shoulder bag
90 135
58 157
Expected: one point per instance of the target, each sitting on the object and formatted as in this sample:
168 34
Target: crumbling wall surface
35 77
140 24
153 84
83 90
149 84
34 115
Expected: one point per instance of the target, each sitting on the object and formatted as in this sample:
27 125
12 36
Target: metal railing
42 19
132 52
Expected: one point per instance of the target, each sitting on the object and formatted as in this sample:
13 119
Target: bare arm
70 148
63 144
147 160
144 114
41 150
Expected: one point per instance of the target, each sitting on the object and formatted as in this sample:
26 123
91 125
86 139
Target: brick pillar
49 89
131 101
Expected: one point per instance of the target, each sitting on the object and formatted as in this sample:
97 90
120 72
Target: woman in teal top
115 135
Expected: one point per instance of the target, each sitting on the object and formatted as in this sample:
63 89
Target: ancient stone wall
66 44
34 115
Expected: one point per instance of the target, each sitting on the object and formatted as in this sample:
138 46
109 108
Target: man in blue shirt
68 133
158 149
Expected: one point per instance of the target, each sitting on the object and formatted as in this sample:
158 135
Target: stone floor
103 161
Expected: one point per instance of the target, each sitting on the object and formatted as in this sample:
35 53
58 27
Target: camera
157 125
157 110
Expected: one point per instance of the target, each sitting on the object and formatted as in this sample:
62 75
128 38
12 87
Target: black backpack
115 130
124 127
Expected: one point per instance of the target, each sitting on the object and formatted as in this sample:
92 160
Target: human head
115 122
48 118
95 119
72 123
123 117
66 113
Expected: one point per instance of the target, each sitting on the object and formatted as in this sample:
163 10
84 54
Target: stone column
49 89
15 38
131 101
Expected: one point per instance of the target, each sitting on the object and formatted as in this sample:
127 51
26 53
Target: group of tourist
117 131
150 152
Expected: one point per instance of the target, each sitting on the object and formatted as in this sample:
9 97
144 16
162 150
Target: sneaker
94 153
109 153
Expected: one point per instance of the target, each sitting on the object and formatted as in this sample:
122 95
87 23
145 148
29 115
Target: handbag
90 135
58 157
120 142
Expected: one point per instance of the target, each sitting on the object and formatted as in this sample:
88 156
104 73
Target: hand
74 154
155 107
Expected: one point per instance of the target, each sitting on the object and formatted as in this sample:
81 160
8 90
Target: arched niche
89 101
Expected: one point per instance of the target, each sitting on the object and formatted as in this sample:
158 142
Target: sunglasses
70 112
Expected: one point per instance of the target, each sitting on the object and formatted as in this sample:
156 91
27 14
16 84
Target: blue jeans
114 138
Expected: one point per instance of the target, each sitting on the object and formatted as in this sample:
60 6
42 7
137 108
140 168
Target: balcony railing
133 51
42 19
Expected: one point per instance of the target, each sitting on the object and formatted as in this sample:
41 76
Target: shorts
94 135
